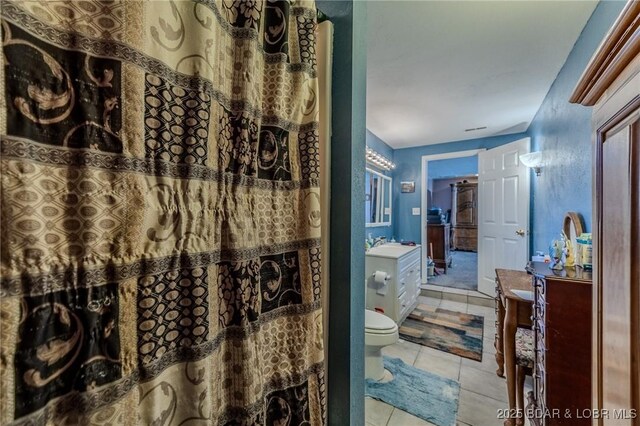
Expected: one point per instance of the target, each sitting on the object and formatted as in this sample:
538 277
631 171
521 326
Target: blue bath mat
423 394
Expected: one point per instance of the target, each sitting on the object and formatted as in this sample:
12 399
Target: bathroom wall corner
345 375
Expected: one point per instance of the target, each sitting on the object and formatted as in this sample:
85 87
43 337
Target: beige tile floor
482 392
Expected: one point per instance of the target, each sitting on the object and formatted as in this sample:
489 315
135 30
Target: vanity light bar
379 160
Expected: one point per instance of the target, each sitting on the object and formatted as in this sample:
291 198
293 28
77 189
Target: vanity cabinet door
409 280
399 297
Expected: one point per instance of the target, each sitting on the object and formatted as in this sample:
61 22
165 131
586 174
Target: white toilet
379 331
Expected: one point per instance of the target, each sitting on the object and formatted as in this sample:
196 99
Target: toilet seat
378 323
379 330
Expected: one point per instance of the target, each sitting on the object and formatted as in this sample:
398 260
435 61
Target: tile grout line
390 415
484 396
480 394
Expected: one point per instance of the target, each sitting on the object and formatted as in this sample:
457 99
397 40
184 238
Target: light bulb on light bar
379 160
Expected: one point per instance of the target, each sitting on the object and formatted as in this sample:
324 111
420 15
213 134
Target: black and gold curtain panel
160 252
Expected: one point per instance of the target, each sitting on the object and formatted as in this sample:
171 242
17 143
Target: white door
503 215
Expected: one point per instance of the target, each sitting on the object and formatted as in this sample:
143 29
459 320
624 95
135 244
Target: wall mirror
377 199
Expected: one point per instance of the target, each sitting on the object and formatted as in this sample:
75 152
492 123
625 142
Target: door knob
520 232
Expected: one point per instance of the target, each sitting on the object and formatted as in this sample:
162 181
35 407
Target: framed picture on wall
408 186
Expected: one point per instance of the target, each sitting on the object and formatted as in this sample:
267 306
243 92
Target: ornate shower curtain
160 252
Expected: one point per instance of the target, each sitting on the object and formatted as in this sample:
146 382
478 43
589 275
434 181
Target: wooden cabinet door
611 83
466 205
617 252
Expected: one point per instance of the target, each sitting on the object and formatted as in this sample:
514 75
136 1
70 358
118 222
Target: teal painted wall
408 168
346 293
563 131
377 144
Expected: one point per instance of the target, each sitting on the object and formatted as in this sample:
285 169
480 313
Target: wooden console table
512 312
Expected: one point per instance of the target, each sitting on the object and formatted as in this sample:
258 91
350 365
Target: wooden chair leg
520 376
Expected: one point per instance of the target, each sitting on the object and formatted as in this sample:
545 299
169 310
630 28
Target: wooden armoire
464 215
611 84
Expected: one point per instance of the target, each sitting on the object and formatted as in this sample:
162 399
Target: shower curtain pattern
160 256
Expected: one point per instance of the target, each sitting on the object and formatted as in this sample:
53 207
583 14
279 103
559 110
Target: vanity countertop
391 250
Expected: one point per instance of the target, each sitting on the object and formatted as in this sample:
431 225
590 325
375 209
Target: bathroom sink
393 250
524 294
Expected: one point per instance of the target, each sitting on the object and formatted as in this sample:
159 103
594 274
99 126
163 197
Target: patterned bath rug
423 394
448 331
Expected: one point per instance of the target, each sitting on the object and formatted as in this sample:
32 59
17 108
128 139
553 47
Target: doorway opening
452 215
449 220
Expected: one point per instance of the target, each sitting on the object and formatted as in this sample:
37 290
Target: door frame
424 174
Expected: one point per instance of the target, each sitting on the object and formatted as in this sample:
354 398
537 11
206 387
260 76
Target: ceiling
436 68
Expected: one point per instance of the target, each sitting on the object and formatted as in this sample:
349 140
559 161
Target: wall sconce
379 160
533 160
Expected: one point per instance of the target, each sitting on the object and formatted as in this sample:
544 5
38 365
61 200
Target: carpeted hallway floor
462 274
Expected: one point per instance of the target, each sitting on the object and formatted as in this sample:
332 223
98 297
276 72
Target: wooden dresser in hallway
438 237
